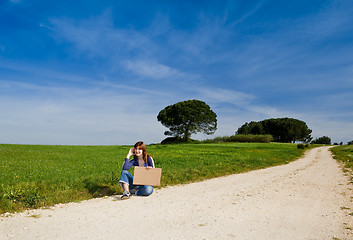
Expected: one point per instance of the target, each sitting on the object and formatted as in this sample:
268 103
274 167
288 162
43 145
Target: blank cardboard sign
147 176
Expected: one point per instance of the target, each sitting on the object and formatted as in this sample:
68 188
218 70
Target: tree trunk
186 135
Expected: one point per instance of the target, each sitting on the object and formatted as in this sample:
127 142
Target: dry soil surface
306 199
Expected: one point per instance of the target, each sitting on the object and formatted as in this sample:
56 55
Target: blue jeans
142 190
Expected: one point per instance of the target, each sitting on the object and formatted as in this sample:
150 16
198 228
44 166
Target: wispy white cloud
86 35
240 100
152 69
97 36
330 21
130 88
41 73
225 95
232 6
268 111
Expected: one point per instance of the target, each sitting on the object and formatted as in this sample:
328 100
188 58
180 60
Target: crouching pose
141 159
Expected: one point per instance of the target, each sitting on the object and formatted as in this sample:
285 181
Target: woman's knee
125 177
145 191
149 190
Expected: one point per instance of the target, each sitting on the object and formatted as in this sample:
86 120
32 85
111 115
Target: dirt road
306 199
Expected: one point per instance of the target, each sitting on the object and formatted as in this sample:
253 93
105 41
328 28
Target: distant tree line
282 129
322 140
248 138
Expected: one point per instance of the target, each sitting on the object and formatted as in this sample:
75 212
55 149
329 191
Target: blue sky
98 72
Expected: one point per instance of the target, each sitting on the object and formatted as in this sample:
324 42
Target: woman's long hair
142 146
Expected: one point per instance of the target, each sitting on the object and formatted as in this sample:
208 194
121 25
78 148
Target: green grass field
33 176
345 154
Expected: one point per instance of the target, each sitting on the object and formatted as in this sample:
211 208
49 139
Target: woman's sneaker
126 195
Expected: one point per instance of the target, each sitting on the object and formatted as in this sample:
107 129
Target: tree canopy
322 140
188 117
282 129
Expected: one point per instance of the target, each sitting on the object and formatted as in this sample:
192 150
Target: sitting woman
141 159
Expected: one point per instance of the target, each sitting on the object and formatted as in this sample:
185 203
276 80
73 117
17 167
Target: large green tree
282 129
188 117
